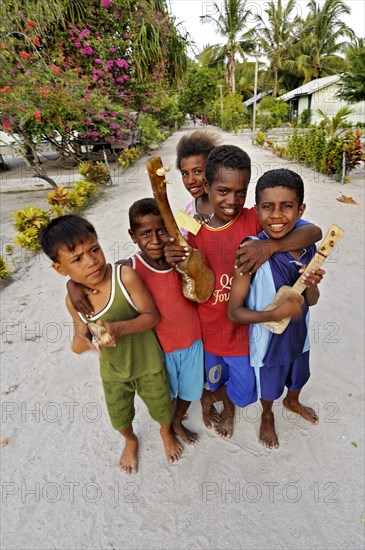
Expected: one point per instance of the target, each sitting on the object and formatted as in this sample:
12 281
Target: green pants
153 389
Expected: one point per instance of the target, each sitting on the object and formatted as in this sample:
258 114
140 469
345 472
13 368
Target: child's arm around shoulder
82 340
78 293
148 315
251 254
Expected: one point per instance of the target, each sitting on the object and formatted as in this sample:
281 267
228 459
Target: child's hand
251 255
292 307
78 297
174 253
202 218
110 338
312 278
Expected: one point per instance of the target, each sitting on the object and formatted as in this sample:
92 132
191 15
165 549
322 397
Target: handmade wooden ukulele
334 235
197 279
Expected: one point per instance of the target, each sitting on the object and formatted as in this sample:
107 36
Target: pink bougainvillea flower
24 54
127 35
122 64
37 115
105 4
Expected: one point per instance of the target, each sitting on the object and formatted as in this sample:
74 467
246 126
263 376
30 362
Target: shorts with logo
237 375
153 389
185 368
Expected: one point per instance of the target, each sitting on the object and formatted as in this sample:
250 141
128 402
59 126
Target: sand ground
61 486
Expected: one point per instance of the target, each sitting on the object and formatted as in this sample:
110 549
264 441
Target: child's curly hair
200 142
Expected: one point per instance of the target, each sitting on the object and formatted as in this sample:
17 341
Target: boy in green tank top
131 360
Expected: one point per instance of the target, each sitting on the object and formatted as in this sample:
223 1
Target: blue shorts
185 368
274 379
236 373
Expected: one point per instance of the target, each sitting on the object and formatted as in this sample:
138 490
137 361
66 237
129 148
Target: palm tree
315 53
232 17
338 121
275 35
353 80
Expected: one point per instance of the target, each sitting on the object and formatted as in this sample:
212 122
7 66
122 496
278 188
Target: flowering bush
88 80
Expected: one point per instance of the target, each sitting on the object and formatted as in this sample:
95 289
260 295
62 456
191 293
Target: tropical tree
85 77
353 80
275 35
230 23
200 89
315 53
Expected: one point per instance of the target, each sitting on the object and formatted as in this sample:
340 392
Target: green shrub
31 216
81 194
272 113
260 138
128 157
59 196
150 130
4 269
312 147
95 172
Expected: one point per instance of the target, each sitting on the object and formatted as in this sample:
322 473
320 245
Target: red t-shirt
179 324
219 246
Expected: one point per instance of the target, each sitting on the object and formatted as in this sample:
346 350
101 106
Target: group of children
205 348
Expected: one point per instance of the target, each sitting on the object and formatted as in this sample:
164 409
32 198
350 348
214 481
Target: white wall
326 100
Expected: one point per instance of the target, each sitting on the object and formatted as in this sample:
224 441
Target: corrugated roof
311 87
255 99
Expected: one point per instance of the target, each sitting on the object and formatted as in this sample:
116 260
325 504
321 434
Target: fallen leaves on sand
347 200
353 443
5 442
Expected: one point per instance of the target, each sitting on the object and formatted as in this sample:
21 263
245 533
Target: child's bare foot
210 414
268 435
225 425
173 448
186 435
305 412
129 460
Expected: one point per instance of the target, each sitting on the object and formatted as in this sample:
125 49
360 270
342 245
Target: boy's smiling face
227 194
151 236
278 211
85 264
193 174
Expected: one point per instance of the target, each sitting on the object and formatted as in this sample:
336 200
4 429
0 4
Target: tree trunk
230 70
31 158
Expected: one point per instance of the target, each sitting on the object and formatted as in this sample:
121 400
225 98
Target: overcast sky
188 12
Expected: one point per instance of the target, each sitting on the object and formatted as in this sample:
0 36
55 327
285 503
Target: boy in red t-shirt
226 346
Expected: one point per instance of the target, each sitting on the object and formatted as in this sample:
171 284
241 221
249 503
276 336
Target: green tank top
135 354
